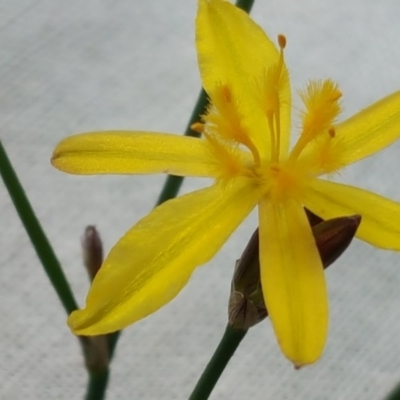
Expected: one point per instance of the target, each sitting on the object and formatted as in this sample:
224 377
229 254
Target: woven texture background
72 66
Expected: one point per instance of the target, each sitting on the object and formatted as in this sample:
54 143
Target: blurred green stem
173 183
224 352
97 385
394 394
36 234
97 380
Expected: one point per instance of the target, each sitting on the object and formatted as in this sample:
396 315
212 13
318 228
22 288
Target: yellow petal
154 260
293 281
370 130
118 152
380 217
234 52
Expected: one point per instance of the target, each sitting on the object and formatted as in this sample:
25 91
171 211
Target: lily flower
245 150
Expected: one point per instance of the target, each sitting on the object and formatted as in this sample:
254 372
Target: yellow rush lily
245 150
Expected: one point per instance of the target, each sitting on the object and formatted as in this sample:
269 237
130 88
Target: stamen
224 119
272 84
321 101
197 127
227 158
270 119
282 45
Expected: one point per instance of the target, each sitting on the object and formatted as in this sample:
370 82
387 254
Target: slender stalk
245 5
97 385
224 352
36 234
394 394
173 183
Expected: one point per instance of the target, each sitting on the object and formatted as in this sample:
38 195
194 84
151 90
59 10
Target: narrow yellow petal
231 47
380 217
293 281
234 53
370 130
154 260
119 152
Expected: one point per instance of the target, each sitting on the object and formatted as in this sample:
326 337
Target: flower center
285 181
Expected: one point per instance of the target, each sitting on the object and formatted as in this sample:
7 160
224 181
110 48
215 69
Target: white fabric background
72 66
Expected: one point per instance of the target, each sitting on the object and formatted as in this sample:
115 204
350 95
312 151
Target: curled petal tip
72 321
78 323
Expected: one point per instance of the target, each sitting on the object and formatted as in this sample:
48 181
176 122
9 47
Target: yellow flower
245 150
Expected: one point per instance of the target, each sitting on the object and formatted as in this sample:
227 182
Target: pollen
331 132
282 41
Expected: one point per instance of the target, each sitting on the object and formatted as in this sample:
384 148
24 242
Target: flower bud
92 251
246 303
333 236
95 348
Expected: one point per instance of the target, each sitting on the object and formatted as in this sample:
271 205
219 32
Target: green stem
394 394
97 385
224 352
245 5
36 234
173 183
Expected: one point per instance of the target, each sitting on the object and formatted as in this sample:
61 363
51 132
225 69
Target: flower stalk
38 238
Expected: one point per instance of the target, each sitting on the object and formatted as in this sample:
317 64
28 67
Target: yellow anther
197 127
282 41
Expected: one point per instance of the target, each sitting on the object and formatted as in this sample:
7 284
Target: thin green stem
245 5
224 352
173 183
97 385
394 394
36 234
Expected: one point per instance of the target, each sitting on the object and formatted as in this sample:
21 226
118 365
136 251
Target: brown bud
92 251
95 349
246 303
334 236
